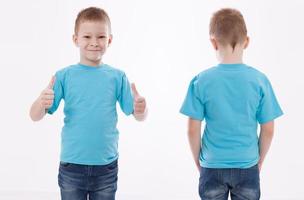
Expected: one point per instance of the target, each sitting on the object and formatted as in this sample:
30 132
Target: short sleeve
269 108
193 104
58 92
125 97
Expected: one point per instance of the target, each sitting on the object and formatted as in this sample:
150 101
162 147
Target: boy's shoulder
255 71
206 74
64 70
110 68
257 75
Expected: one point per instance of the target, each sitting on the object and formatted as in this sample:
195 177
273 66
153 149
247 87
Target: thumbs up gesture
46 97
139 105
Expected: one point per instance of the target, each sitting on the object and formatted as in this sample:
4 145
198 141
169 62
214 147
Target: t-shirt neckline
89 67
232 66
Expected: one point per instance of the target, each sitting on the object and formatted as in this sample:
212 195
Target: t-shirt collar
234 66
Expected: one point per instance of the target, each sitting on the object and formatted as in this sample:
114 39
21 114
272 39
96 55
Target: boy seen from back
233 98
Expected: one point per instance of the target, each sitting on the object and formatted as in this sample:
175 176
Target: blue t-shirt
232 98
89 135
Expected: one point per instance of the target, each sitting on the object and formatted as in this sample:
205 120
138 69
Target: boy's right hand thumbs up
47 95
139 101
134 91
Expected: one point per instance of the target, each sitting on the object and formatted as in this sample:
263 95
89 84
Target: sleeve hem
263 121
129 113
191 115
50 112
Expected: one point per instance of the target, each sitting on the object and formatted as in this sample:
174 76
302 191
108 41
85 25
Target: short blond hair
92 14
228 27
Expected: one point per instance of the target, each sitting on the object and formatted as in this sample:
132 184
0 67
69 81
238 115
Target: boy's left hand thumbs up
139 101
51 83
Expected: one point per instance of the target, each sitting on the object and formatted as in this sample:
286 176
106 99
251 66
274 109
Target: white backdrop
161 45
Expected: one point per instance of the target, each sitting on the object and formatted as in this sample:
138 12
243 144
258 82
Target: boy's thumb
52 82
134 90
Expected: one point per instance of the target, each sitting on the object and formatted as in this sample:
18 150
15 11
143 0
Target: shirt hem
229 165
89 162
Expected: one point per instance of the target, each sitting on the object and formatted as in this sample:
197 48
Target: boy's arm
37 111
43 102
140 107
266 135
194 137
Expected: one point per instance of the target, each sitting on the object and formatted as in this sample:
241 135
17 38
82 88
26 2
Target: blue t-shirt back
89 135
232 98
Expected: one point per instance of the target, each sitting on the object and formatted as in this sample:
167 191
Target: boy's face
93 38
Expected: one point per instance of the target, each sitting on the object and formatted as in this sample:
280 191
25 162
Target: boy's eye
102 36
86 36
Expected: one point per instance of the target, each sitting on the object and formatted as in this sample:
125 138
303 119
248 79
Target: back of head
227 27
92 14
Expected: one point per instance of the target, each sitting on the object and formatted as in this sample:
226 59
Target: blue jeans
93 182
243 184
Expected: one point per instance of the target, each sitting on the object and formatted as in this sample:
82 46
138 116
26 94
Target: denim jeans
243 184
93 182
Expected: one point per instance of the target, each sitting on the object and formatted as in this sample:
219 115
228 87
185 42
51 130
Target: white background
161 45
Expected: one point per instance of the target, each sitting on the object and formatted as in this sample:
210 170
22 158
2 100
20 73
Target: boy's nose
94 43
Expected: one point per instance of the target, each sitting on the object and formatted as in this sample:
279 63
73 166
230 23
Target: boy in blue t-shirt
90 89
232 97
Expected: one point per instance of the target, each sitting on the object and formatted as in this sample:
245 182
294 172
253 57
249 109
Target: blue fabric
215 184
89 135
232 98
83 182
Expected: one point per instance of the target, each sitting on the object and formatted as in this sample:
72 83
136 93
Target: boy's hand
198 166
260 166
139 104
46 97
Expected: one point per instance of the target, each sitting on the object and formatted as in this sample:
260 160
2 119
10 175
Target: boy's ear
246 42
110 39
214 43
75 40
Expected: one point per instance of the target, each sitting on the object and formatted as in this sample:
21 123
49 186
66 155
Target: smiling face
93 38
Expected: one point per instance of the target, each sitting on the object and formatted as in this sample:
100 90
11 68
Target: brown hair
92 14
228 27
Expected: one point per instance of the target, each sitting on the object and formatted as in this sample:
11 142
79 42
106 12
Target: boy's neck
229 55
90 63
